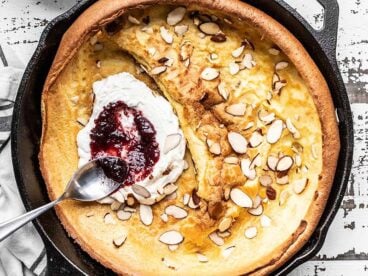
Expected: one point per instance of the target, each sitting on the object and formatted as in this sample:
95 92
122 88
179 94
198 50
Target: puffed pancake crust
235 78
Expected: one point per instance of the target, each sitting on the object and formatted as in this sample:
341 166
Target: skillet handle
327 36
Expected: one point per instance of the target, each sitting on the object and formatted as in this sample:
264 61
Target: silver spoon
93 181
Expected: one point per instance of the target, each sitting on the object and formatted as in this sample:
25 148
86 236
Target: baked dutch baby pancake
225 121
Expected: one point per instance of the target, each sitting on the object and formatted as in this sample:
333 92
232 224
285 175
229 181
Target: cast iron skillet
65 257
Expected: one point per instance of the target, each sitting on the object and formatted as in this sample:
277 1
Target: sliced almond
175 16
247 171
187 63
298 160
256 211
250 232
186 50
171 142
223 91
186 199
237 52
234 68
227 251
115 205
215 148
265 180
172 196
249 126
109 219
213 56
278 86
158 70
265 221
181 29
140 190
272 162
284 195
133 20
166 35
284 163
274 131
209 28
247 62
224 234
237 142
255 139
145 214
225 224
170 188
164 217
265 117
257 201
176 212
274 51
299 185
202 258
240 198
281 65
129 209
123 215
209 73
227 191
237 109
171 237
231 160
119 240
282 180
151 51
216 239
173 247
130 200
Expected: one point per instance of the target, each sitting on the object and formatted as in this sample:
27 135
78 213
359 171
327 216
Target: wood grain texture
345 251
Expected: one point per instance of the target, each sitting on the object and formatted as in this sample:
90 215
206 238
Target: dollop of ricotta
134 93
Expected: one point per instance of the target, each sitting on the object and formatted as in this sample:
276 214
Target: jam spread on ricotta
124 132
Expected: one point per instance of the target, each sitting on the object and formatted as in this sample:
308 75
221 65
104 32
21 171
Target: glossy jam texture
124 132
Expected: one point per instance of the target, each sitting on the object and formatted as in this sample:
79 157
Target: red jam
124 132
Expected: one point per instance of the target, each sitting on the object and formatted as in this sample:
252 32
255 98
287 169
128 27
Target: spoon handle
10 226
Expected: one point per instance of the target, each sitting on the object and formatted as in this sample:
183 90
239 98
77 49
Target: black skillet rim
323 49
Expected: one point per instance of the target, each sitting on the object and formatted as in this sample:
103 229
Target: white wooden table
345 251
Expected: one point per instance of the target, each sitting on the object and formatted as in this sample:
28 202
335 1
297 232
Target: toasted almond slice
250 232
247 171
145 214
255 139
225 224
240 198
216 239
115 205
109 219
231 160
234 68
119 240
158 70
186 50
257 201
223 91
187 63
151 51
170 188
202 258
274 51
265 221
282 180
176 211
175 16
164 217
237 142
209 28
133 20
256 211
272 162
224 234
209 73
106 200
181 29
275 78
266 118
173 247
140 190
166 35
274 131
172 196
300 184
249 125
265 180
238 51
215 148
281 65
284 195
290 126
171 237
237 109
227 251
129 209
171 142
278 86
186 198
123 215
284 163
314 152
247 62
213 56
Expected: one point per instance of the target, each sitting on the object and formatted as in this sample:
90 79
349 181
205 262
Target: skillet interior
27 130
